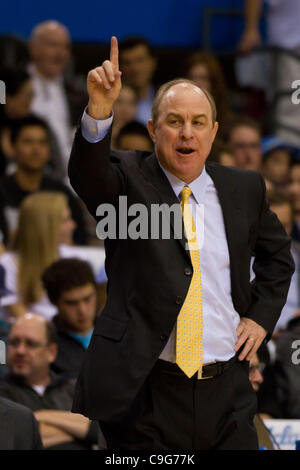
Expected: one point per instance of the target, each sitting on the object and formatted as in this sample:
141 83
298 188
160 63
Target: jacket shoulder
129 158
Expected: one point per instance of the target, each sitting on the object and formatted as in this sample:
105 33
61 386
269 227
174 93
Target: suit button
178 300
163 337
188 271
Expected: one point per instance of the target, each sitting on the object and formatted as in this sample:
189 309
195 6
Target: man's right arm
96 177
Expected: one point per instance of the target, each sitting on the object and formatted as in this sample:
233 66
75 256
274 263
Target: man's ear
215 130
52 352
151 129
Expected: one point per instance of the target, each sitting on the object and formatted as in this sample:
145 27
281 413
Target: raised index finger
114 52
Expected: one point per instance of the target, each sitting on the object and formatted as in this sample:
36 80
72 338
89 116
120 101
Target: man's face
294 187
32 148
184 132
77 308
18 105
277 165
246 148
51 52
137 66
285 215
28 354
255 375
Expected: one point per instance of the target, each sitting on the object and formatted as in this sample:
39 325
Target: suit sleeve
36 437
273 267
95 172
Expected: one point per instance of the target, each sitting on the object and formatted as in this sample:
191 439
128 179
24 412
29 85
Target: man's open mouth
185 150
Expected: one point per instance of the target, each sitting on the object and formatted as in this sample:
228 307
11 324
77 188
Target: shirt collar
32 70
198 186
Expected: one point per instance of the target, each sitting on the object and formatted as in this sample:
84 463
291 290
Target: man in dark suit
146 390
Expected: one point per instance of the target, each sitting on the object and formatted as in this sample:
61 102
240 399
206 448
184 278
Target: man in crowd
30 139
287 370
32 347
181 318
71 287
294 194
282 68
244 140
132 136
57 98
256 379
282 207
138 65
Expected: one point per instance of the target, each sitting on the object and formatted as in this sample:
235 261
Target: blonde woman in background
44 234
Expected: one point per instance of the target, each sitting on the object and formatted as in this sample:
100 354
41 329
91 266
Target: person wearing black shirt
30 139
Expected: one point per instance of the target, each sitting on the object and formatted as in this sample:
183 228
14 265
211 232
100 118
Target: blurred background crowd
52 276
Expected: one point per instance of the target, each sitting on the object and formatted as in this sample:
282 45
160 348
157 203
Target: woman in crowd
124 110
44 234
205 70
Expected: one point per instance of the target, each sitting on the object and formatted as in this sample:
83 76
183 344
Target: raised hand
104 84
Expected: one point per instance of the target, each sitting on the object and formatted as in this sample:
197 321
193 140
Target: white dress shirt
50 103
219 315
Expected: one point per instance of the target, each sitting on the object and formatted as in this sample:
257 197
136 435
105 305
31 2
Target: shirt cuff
94 130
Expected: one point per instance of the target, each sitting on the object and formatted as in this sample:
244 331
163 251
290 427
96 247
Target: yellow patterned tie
189 337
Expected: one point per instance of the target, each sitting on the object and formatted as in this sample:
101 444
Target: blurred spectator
19 95
277 158
3 229
138 64
281 206
19 428
268 404
44 231
244 140
13 50
4 292
124 110
256 379
222 154
56 97
294 193
204 69
134 136
71 287
4 324
30 139
287 372
43 235
283 18
32 347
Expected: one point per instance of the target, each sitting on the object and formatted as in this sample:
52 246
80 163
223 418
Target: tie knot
185 194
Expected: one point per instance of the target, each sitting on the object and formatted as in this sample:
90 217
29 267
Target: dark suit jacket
148 280
19 428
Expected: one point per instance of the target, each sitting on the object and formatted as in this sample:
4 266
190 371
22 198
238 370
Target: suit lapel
230 197
158 180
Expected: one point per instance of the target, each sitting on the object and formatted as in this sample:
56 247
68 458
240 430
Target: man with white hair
55 98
